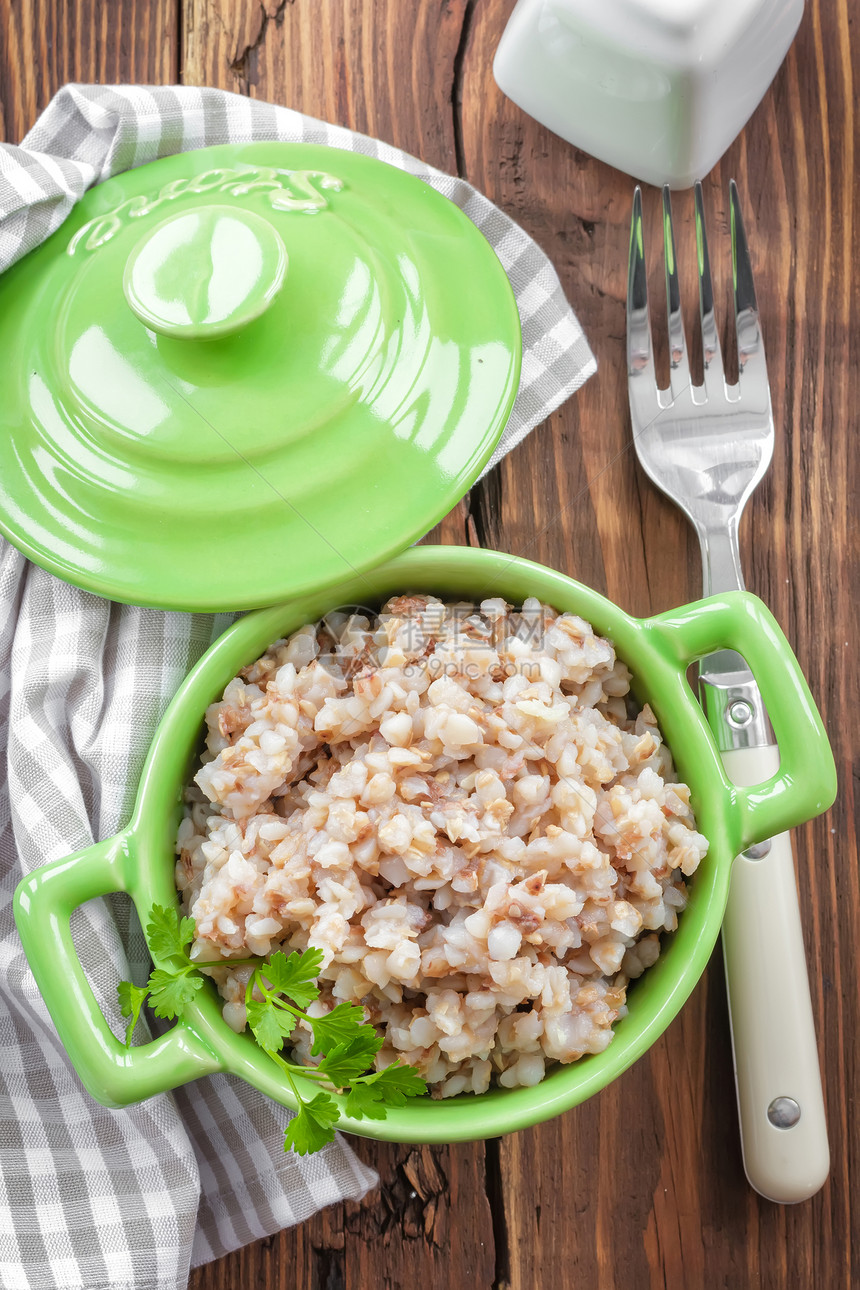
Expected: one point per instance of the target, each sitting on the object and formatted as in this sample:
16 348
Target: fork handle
786 1155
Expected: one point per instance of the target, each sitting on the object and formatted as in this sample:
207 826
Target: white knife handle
773 1033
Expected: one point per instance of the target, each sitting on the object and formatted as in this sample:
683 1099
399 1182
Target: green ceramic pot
658 650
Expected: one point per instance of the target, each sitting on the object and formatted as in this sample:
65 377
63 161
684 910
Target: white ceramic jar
658 88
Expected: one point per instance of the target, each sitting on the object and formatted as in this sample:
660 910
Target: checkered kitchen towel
94 1198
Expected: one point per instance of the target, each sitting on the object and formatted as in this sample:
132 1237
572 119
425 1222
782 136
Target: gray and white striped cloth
132 1199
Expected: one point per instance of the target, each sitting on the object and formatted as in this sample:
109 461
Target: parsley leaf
294 976
399 1082
167 935
170 992
313 1127
346 1042
363 1101
337 1027
346 1062
389 1087
131 998
270 1025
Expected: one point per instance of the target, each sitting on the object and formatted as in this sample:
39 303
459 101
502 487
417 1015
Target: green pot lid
238 374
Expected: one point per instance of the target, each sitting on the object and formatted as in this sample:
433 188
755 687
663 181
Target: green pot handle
44 902
805 784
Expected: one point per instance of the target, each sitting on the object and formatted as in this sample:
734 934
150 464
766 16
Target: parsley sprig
279 991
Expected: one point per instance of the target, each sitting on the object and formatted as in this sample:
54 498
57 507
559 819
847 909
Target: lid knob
205 273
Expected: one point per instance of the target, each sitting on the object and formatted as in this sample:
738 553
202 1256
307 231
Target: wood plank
387 69
384 68
665 1203
45 44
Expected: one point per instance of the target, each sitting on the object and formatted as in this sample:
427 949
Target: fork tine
751 362
711 355
679 366
642 381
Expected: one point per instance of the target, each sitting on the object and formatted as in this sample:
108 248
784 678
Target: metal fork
707 447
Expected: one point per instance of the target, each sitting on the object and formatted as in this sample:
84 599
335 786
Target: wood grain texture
642 1187
47 43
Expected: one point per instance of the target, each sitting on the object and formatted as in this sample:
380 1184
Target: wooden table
642 1186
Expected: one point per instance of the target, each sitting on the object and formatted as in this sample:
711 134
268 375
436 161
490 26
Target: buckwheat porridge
460 806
